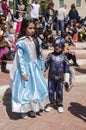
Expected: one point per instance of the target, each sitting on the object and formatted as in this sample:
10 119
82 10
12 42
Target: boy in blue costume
58 74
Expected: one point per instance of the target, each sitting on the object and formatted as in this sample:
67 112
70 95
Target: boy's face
58 49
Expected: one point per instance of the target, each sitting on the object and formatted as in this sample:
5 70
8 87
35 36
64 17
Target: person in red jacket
5 7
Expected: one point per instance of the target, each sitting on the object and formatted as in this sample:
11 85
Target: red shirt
5 8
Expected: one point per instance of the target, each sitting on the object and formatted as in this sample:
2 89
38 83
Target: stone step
80 62
79 80
76 51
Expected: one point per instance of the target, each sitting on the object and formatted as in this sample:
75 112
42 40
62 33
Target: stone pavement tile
79 56
4 78
41 124
73 118
80 70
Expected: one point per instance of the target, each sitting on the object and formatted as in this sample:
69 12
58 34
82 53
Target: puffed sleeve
20 49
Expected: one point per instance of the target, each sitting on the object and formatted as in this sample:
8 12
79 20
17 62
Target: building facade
80 5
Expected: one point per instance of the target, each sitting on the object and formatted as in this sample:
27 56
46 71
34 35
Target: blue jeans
60 26
55 86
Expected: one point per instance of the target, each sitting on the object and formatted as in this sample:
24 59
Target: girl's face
30 30
58 49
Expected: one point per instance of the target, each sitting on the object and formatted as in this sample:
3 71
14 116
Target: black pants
71 57
9 56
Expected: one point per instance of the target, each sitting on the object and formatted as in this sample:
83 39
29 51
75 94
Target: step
6 90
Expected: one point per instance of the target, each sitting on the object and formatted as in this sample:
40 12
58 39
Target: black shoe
32 114
5 71
3 67
76 64
50 106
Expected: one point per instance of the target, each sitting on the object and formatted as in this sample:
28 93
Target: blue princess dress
31 94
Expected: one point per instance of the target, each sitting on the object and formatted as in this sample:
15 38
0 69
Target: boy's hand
25 77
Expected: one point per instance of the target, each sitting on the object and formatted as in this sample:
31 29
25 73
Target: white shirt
35 10
61 13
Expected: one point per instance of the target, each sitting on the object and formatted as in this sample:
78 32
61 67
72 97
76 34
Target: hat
59 41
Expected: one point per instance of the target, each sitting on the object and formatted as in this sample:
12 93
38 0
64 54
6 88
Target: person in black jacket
49 14
73 13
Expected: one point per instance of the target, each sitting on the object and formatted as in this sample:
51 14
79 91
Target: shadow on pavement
78 110
84 48
7 103
81 70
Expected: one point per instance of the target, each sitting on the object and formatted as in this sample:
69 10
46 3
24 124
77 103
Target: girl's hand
44 73
25 77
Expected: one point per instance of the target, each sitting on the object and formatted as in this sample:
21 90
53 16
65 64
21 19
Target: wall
81 10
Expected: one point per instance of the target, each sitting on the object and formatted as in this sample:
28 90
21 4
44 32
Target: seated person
71 28
70 54
48 36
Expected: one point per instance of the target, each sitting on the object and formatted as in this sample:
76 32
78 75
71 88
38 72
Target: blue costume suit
58 66
31 94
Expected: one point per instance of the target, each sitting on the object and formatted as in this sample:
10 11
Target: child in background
48 37
67 51
18 24
39 30
58 74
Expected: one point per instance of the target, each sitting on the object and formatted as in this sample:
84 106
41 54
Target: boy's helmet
59 41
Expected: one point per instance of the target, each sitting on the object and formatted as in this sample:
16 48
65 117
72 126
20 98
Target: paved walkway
74 116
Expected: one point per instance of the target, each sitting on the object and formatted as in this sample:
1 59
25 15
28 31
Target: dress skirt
29 95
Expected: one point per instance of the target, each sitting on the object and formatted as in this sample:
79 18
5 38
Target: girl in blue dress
29 88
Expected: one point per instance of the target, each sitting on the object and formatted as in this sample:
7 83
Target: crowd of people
23 36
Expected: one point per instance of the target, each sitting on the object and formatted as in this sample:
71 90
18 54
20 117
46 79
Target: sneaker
24 115
49 108
60 109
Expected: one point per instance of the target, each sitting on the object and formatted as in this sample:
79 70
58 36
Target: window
78 3
61 3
